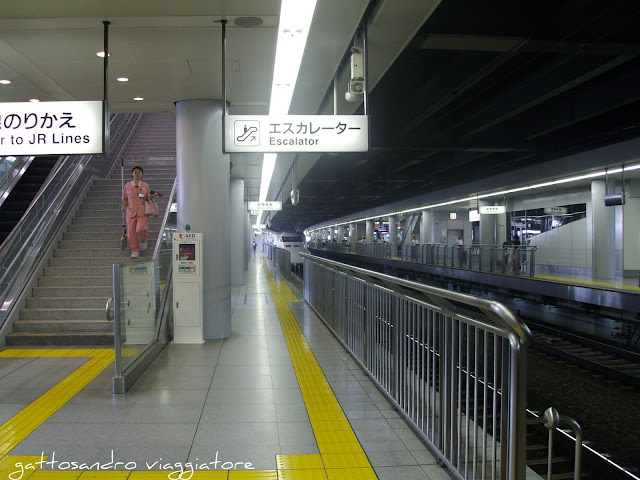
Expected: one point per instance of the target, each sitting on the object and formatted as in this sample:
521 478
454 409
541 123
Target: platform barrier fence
454 365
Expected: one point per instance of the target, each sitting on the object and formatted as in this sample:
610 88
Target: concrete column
369 231
487 226
203 202
604 244
248 235
426 227
236 231
340 234
393 234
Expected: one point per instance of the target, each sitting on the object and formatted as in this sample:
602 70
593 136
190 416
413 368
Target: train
292 242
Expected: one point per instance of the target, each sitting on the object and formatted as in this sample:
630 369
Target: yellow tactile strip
341 455
579 281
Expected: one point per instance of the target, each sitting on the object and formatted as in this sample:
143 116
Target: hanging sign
453 215
296 133
493 209
254 212
264 206
474 216
50 128
555 210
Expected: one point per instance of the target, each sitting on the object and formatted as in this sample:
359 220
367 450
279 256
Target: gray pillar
393 234
604 245
352 237
203 202
236 230
248 235
426 227
341 234
487 226
369 231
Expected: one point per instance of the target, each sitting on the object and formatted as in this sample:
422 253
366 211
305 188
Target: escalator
23 193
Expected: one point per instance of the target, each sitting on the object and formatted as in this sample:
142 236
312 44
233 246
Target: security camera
355 90
295 196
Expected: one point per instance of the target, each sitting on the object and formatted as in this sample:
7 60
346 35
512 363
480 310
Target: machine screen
187 251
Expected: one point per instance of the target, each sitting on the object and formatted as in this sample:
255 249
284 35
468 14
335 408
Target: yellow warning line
341 456
588 282
17 428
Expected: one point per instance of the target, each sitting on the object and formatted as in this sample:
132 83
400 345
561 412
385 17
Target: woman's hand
123 207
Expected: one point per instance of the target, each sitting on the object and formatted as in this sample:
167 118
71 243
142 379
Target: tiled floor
249 398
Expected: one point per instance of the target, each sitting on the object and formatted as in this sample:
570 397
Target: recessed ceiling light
122 79
11 159
5 82
34 100
101 54
138 99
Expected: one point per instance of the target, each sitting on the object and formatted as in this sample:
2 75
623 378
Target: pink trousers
139 226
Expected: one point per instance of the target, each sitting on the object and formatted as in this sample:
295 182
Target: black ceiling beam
502 108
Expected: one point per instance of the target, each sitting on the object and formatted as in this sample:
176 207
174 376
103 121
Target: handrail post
117 313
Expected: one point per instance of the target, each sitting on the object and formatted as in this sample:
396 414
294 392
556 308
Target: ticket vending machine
187 288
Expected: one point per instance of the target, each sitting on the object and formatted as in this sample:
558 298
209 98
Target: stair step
39 314
30 339
72 292
113 228
75 281
106 270
98 244
57 326
70 302
100 261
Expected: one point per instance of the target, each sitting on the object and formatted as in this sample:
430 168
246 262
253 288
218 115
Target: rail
454 365
142 293
26 245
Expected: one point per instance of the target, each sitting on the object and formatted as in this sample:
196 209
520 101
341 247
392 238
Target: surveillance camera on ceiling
295 196
355 90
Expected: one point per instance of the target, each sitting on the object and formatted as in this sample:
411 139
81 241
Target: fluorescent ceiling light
122 79
101 54
5 82
586 176
293 30
34 100
138 99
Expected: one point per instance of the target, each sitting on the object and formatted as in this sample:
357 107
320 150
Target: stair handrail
18 255
163 225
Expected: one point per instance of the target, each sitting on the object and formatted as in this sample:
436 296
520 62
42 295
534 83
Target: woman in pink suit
135 193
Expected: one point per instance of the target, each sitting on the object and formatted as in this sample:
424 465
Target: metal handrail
163 225
410 337
11 177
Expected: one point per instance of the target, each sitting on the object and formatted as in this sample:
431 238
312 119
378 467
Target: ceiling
460 90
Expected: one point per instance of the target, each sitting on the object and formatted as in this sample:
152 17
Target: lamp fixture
293 30
5 82
122 79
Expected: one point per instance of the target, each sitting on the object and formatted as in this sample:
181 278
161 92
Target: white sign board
556 210
474 216
493 209
265 206
296 133
254 212
50 128
259 226
453 215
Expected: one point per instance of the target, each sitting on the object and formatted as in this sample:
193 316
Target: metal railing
25 246
504 259
552 420
143 307
375 249
454 365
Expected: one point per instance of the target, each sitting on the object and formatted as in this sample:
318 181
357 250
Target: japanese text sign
46 128
265 206
493 209
296 133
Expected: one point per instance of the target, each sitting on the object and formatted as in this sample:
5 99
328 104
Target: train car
292 242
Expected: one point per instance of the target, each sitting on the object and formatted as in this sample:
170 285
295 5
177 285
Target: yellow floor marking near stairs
341 456
17 428
587 282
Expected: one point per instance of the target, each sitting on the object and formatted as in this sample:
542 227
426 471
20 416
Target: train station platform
279 399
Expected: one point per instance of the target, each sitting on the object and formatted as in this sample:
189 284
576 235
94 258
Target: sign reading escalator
50 128
296 133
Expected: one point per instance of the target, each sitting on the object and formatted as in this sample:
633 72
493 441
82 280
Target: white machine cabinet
187 288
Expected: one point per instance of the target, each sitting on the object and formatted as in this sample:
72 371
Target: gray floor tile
85 413
166 414
193 397
260 457
151 435
404 473
292 412
241 396
424 457
213 436
287 395
295 433
392 459
436 472
249 412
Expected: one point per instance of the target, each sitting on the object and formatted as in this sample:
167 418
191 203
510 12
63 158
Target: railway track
605 359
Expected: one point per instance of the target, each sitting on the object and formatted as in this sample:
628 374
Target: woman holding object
134 195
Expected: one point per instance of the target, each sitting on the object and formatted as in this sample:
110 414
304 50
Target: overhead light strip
293 30
599 173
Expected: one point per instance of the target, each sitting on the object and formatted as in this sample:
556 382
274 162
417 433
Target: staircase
68 305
